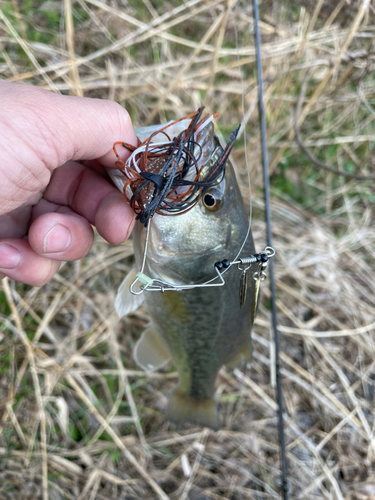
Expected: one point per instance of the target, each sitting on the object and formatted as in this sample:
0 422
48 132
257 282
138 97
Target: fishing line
243 129
267 200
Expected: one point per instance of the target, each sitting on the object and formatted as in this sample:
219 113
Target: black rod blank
266 181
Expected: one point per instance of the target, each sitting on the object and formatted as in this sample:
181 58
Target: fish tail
183 409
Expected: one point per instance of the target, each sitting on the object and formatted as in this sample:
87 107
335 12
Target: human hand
53 150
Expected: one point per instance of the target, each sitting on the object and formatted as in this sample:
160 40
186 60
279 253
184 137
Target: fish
199 329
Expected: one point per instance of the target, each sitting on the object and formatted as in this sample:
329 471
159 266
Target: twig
127 454
349 37
20 23
76 88
202 442
219 43
303 147
38 392
25 46
186 67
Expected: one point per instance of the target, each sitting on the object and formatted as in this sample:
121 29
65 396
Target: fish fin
149 352
241 358
126 302
183 409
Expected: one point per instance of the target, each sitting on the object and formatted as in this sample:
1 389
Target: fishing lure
164 177
169 177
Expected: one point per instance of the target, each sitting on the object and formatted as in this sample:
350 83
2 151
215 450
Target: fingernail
9 256
57 239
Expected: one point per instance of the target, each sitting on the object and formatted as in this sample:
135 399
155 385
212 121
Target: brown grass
79 420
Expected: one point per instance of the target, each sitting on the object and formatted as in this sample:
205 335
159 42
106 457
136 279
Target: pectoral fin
126 302
149 352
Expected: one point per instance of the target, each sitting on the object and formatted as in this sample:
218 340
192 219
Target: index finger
60 128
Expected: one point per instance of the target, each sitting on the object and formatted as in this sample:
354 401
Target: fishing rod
267 200
160 192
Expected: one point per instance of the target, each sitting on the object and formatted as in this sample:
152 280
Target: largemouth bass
199 329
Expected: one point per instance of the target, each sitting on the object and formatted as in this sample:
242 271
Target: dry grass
78 419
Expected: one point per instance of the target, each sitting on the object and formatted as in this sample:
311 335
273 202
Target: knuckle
120 118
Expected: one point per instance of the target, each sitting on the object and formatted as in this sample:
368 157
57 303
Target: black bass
199 329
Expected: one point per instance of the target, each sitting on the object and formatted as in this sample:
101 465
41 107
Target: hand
53 150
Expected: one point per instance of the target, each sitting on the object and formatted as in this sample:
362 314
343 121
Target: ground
79 420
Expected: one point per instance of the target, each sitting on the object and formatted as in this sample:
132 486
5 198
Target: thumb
40 131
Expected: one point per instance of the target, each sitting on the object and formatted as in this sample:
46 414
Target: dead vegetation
79 420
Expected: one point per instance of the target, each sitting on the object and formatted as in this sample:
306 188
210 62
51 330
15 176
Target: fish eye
212 200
